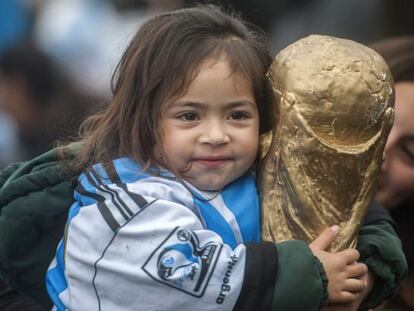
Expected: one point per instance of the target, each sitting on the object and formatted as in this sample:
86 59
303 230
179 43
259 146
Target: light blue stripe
86 184
55 279
215 222
242 199
84 199
103 176
128 170
80 201
74 210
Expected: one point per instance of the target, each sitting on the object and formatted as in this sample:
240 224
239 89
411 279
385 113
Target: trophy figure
320 166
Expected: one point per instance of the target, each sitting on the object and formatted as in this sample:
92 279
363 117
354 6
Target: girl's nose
214 133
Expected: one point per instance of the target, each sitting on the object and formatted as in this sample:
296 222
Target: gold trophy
319 165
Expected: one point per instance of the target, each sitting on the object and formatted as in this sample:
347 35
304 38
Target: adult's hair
399 54
159 64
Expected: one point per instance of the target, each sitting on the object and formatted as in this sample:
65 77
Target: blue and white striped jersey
141 242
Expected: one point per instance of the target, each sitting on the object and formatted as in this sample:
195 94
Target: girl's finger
356 270
354 285
347 297
350 255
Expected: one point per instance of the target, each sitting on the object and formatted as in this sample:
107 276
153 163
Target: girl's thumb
325 239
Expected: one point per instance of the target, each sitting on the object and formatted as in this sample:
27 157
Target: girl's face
396 182
210 135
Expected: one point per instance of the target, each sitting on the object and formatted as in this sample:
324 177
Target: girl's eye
239 115
188 116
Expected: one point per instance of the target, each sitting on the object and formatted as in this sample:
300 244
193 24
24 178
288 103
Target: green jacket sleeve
380 249
301 282
34 200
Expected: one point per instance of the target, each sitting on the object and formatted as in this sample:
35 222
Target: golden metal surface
320 166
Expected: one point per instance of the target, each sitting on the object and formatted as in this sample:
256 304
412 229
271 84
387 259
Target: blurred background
57 56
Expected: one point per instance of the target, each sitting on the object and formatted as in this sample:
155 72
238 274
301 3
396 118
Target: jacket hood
34 199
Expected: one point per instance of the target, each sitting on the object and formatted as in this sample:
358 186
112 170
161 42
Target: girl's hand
354 306
341 268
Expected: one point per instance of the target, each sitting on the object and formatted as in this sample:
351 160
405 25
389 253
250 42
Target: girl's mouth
212 162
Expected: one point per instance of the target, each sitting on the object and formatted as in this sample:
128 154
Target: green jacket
34 200
35 197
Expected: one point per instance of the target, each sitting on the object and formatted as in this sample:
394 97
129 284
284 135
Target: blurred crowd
57 58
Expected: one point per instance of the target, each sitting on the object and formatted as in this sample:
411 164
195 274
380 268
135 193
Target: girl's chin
210 183
209 188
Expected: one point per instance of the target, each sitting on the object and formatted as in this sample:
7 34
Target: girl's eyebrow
199 105
241 103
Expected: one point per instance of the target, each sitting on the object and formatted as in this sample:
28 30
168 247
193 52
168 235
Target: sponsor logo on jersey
181 262
225 287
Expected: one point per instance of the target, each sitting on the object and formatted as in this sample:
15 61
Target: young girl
166 214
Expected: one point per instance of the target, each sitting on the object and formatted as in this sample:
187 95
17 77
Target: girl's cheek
158 153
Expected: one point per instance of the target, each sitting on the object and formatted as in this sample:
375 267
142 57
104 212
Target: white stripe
53 264
217 201
108 197
125 198
169 190
64 297
228 215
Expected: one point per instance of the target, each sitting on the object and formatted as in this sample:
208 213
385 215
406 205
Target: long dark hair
159 64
